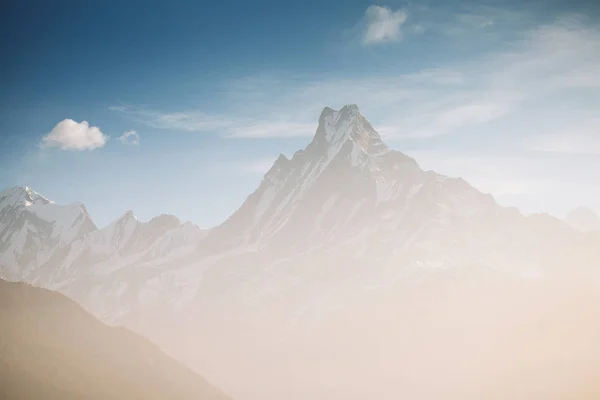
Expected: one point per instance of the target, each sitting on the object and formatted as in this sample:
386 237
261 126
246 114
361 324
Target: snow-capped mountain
50 244
32 228
348 190
344 184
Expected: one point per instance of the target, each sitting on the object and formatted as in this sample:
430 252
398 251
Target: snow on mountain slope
53 245
32 228
126 244
346 182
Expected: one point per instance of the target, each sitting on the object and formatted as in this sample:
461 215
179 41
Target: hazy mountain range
331 234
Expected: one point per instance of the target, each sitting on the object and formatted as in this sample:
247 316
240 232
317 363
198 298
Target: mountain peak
583 218
127 216
22 195
348 124
35 197
350 108
327 111
347 111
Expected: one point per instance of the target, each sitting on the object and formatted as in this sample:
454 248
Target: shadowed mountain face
51 349
325 283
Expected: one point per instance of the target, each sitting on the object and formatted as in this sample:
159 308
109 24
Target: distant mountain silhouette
584 219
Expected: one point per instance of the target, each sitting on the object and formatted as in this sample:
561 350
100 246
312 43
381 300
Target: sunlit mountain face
350 272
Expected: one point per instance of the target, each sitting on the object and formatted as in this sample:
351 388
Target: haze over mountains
583 218
52 349
330 278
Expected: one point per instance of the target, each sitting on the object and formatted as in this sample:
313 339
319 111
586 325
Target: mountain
584 219
327 253
335 188
348 190
53 349
339 245
52 245
32 228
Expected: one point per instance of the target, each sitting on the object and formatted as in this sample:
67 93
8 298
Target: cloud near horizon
72 135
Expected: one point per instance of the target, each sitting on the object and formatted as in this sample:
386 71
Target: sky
180 107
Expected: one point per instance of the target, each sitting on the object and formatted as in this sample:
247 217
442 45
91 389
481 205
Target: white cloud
72 135
130 138
382 24
270 129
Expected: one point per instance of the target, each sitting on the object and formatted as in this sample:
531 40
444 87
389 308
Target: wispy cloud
267 129
542 64
228 127
383 24
258 166
191 121
472 19
130 138
72 135
476 20
579 139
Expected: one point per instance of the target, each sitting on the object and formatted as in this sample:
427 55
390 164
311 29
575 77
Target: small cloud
73 135
383 24
130 138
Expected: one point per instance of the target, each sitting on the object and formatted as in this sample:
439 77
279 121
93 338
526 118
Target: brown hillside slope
51 348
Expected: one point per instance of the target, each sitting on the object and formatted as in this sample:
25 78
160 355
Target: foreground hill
50 348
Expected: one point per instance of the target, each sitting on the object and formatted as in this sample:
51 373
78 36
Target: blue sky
186 104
